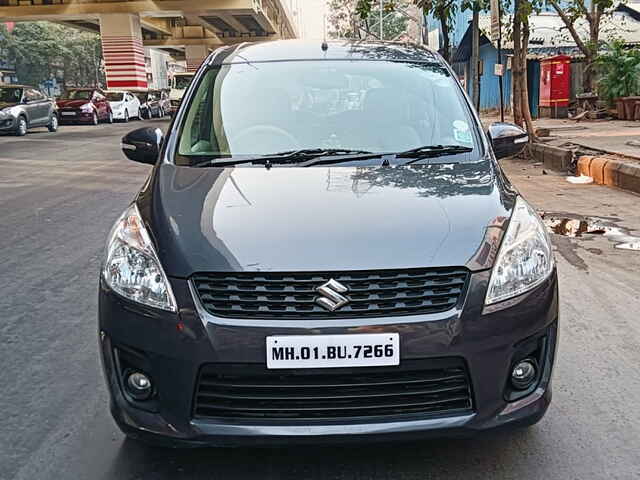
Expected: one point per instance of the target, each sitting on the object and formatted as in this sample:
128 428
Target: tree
619 69
445 12
359 18
342 19
571 11
42 50
520 35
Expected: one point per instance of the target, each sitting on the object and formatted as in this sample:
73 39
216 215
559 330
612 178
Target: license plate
331 351
68 114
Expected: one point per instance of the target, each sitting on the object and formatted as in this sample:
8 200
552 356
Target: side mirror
507 139
143 145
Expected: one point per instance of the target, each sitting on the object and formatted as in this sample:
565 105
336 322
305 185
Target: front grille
433 387
294 295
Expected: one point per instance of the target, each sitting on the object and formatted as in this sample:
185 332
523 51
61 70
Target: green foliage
619 70
342 12
42 50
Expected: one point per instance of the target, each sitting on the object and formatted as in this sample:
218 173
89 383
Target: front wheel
110 118
126 116
94 119
53 123
21 128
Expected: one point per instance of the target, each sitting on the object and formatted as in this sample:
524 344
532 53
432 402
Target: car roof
296 50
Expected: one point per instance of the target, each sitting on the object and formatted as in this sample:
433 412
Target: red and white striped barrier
124 62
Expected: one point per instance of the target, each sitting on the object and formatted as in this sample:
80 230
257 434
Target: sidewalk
607 136
606 150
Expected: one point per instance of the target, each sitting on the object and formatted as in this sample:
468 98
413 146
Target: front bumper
8 124
175 346
75 117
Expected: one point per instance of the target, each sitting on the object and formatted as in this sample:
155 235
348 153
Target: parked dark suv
23 107
326 249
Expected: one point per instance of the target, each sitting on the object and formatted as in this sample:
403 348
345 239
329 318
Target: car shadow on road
493 455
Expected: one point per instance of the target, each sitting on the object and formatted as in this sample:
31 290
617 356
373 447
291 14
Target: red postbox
555 86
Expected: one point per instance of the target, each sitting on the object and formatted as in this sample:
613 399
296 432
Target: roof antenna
325 45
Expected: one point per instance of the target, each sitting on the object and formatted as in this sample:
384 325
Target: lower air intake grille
371 293
434 387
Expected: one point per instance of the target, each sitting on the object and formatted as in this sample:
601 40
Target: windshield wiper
432 151
302 156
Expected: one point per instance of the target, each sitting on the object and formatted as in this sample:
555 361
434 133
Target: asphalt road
60 193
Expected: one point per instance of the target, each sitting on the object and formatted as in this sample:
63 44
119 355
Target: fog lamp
524 373
139 386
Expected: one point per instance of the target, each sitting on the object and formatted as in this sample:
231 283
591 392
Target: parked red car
84 105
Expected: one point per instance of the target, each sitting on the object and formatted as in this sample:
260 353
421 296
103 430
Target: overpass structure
187 29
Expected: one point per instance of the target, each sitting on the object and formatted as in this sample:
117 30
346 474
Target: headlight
525 258
87 108
132 268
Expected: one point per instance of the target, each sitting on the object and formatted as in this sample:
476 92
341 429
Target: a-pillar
196 54
123 51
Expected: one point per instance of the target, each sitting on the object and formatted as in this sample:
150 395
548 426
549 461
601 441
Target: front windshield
376 106
181 82
10 95
78 95
143 97
114 96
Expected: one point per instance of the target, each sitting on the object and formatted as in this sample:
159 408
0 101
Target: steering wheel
283 139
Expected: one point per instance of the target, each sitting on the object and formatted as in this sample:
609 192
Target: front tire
22 127
94 119
53 123
110 118
126 116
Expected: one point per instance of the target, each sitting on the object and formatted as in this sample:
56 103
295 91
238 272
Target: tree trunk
516 67
446 48
589 74
592 15
475 60
524 89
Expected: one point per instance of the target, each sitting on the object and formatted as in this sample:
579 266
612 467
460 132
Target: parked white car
125 105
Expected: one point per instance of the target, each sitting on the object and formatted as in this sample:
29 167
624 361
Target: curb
553 158
611 172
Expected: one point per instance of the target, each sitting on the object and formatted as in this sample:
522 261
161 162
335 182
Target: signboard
495 20
498 69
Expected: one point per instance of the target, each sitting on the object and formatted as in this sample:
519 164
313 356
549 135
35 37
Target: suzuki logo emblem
331 298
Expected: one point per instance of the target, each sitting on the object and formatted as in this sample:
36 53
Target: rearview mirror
507 139
143 145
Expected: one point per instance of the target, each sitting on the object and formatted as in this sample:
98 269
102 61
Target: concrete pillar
196 54
123 51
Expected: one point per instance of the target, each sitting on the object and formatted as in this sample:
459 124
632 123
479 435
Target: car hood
72 103
326 219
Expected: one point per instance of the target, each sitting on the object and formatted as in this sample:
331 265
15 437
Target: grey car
23 107
326 249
